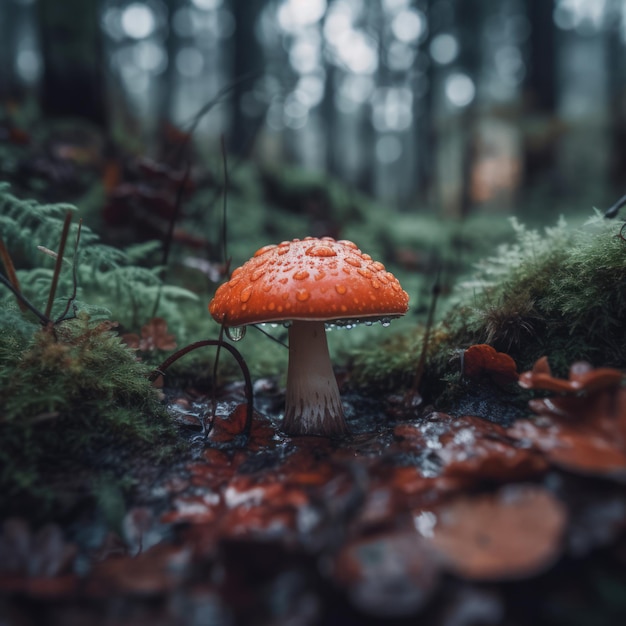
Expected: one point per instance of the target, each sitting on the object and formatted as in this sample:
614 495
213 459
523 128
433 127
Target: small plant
73 396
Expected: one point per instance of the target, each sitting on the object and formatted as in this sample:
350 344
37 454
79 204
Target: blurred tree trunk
8 85
617 107
541 84
470 20
425 118
247 63
73 81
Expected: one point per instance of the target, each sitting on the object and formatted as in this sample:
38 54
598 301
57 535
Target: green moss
72 392
560 293
74 399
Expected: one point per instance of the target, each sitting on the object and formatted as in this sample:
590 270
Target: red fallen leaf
576 450
470 449
257 520
40 587
253 506
482 360
482 450
212 473
226 427
582 377
389 575
160 569
512 534
584 431
154 336
410 481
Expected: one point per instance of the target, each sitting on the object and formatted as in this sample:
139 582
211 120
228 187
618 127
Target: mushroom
309 283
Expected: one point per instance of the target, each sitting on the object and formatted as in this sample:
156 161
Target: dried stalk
7 261
59 263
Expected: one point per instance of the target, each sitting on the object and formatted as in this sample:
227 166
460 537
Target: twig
74 275
224 208
236 355
59 263
419 371
613 210
270 336
20 297
169 237
7 261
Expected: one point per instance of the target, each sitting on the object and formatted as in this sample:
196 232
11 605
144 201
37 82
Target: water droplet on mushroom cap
235 333
316 279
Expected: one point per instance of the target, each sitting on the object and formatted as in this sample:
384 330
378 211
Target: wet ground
455 519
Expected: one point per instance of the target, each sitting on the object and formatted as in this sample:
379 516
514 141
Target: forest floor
487 513
457 520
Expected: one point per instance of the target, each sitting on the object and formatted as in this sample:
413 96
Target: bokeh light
409 25
444 48
295 14
460 89
138 20
189 62
392 108
388 149
207 5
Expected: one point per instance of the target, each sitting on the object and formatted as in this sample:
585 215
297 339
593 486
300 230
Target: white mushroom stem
312 403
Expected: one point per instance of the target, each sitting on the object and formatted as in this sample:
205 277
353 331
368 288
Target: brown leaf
154 336
582 377
512 534
572 448
482 360
162 568
583 431
482 450
226 427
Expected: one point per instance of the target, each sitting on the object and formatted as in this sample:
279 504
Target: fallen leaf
514 533
482 360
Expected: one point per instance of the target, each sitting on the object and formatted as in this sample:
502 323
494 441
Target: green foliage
560 293
111 281
72 391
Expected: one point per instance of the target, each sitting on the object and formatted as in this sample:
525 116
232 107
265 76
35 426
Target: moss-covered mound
74 399
71 394
560 293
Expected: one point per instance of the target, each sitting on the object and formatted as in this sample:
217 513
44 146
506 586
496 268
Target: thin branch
59 263
195 120
613 210
71 299
270 336
160 370
419 371
224 208
7 261
169 237
20 297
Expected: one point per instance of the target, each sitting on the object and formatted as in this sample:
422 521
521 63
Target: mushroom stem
312 403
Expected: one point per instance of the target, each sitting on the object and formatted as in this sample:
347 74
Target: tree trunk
72 83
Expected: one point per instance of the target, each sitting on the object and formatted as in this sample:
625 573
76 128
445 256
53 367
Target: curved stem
236 355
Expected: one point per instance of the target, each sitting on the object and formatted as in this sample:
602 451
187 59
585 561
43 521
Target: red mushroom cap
310 279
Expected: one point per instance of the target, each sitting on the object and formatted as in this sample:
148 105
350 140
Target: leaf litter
412 507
